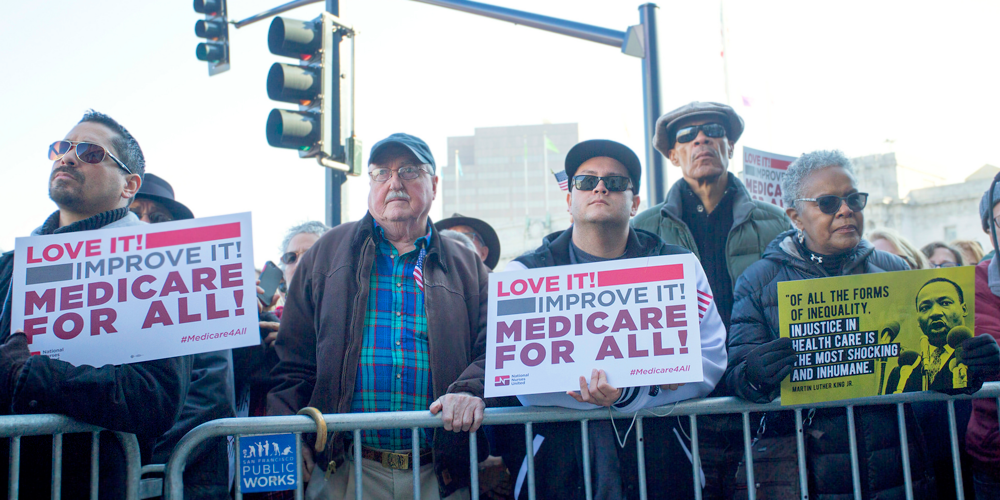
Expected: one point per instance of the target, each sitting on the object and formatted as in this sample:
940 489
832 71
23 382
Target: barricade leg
800 449
57 466
695 457
95 464
748 457
641 455
530 455
904 448
239 479
474 464
299 487
853 439
956 459
585 446
14 480
415 448
358 488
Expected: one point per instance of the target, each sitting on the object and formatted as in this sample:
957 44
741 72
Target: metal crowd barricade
174 487
17 426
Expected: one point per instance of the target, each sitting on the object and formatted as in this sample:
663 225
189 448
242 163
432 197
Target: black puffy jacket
755 321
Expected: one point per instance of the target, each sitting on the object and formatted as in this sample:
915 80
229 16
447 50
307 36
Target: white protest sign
762 174
636 319
137 293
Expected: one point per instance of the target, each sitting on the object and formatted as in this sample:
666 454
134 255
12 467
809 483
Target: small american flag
418 270
562 179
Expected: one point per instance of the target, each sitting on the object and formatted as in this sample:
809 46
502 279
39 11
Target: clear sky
848 75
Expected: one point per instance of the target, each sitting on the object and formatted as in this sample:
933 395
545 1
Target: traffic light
215 29
314 129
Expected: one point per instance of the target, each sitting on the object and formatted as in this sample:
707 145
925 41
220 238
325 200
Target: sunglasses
613 183
290 257
688 134
830 204
87 152
155 216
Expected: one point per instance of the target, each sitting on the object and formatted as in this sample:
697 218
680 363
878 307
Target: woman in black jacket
825 205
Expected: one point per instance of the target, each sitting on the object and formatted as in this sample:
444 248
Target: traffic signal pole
335 179
639 41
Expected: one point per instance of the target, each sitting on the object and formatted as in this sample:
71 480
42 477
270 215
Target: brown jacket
319 342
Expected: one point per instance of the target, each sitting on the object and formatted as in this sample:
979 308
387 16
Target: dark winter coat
139 398
756 321
319 343
558 461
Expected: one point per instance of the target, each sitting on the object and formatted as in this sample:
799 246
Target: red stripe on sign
780 164
640 275
193 235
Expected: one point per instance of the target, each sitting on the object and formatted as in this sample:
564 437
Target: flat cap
666 125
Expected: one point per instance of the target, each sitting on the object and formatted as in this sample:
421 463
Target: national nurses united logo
502 380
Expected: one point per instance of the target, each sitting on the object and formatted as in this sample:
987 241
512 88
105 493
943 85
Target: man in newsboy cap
384 314
710 212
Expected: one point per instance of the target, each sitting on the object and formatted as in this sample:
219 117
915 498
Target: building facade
504 176
917 205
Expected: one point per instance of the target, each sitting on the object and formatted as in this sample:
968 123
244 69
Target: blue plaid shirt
394 372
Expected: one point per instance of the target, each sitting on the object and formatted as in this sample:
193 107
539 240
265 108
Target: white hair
806 165
308 227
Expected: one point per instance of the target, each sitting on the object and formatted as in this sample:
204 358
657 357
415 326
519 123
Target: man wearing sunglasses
96 171
710 212
604 179
384 314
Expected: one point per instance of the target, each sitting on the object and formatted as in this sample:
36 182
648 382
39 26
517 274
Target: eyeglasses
155 216
289 258
613 183
87 152
944 264
473 236
406 173
688 134
829 204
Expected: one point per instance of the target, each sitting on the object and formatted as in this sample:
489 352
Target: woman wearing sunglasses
823 200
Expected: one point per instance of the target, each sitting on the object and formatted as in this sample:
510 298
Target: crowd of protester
389 313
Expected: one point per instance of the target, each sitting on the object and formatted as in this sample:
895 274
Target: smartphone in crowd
270 277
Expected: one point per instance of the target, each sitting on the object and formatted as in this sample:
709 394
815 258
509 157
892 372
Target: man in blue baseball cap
383 314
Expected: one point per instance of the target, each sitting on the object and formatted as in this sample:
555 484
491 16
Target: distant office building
504 175
917 205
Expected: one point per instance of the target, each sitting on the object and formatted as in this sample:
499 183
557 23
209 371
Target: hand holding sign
982 355
600 392
13 355
768 363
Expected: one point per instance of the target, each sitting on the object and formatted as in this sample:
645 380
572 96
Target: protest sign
873 334
637 319
267 463
137 293
762 173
